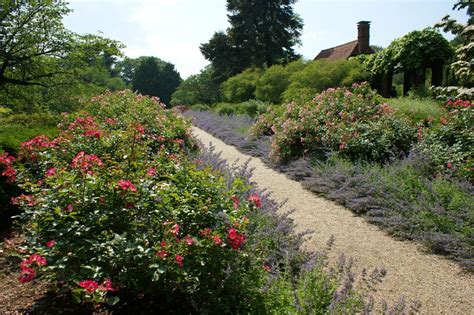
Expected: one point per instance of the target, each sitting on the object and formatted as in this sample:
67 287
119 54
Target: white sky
172 30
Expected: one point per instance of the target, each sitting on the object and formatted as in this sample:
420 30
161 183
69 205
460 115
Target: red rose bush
117 206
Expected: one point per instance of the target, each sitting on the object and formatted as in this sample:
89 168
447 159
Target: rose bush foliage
449 145
350 121
116 206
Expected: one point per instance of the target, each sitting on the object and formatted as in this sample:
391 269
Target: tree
197 89
31 31
262 33
155 77
45 66
462 66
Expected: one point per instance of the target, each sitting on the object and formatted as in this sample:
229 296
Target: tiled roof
343 51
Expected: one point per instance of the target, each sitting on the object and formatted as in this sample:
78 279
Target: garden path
439 284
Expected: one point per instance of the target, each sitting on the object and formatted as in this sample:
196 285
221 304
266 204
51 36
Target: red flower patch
89 285
126 185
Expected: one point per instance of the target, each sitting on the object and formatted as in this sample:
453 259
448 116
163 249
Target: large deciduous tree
31 31
261 33
155 77
44 64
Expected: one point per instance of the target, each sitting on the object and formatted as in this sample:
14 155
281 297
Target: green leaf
112 300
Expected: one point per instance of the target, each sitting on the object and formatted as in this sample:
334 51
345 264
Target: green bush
320 75
352 122
275 81
450 144
250 108
241 87
115 203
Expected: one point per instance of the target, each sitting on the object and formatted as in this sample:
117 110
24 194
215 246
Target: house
359 46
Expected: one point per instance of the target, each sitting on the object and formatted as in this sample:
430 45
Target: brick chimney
363 28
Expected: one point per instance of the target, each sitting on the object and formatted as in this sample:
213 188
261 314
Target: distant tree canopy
153 76
262 33
197 89
44 64
35 47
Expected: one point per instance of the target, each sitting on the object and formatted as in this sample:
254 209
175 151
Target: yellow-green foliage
241 87
320 75
275 81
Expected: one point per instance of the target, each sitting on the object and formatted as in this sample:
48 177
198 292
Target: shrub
241 87
115 203
320 75
450 144
272 84
351 122
121 205
251 108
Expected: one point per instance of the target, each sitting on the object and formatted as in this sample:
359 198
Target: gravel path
439 284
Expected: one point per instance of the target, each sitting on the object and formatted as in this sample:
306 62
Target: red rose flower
189 240
89 285
217 240
126 185
107 286
179 260
162 254
27 274
50 243
256 200
235 239
50 172
175 229
151 171
93 133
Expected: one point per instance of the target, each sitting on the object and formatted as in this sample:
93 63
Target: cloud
172 30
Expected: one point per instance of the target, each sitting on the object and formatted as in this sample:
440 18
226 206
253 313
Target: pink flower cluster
235 238
36 143
93 133
27 272
256 200
27 199
458 103
85 162
90 286
83 122
126 185
8 170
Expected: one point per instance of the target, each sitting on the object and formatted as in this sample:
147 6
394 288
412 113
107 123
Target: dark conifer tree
262 33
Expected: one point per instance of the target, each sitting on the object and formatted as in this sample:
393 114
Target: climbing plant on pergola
411 54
